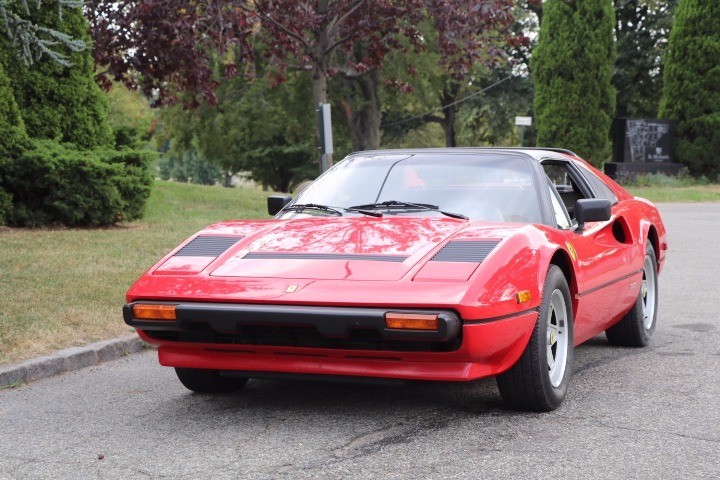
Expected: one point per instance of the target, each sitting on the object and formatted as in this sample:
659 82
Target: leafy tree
691 84
642 31
130 117
489 118
167 43
467 114
572 69
421 90
57 101
275 132
264 131
191 168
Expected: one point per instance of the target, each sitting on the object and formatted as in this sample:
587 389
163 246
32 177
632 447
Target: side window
568 189
601 190
562 219
558 175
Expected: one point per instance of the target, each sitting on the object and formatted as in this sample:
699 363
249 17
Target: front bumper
215 336
298 326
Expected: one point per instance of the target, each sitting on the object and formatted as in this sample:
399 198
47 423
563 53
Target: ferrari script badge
291 288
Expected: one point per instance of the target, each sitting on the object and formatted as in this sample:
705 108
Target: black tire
527 385
208 381
632 330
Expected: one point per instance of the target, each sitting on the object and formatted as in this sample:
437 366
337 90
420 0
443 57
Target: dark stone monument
642 145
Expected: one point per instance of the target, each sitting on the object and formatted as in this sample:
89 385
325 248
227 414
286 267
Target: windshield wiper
299 207
398 205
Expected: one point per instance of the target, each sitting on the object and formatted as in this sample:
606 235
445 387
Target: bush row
54 184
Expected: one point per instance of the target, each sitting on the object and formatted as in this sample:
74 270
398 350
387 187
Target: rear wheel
637 326
208 381
539 380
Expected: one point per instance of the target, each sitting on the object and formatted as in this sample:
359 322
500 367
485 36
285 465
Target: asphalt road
630 413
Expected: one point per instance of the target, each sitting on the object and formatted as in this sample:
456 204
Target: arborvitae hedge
691 85
54 184
572 68
58 102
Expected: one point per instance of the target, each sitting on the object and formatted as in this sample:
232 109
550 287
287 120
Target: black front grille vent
207 246
471 251
300 337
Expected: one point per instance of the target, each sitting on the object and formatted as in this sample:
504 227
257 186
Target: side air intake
471 251
207 246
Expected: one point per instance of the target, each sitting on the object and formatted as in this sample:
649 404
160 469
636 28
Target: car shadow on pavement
311 399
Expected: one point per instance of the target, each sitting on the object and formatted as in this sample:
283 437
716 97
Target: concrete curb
69 360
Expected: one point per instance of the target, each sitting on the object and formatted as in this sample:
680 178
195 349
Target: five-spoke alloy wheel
637 326
539 380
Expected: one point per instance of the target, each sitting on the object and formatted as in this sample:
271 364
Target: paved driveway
630 413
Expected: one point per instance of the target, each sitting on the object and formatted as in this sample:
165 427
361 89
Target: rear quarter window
598 186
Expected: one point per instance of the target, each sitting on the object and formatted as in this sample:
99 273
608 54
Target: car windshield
492 187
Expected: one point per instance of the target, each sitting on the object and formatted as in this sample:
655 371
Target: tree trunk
319 82
319 74
364 114
449 96
448 124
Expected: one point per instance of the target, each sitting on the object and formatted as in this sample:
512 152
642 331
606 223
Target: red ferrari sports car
428 264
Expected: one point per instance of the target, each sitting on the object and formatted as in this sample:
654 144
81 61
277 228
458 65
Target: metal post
325 141
523 122
323 162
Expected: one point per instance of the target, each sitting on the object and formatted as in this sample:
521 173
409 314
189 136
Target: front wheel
539 380
208 381
637 326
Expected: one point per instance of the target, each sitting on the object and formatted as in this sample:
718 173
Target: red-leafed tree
164 46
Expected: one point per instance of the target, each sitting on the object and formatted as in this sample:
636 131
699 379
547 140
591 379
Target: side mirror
275 203
591 210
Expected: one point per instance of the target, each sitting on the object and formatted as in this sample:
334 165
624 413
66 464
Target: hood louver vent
324 256
207 246
473 251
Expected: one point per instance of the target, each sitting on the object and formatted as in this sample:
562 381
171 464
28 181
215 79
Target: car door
606 283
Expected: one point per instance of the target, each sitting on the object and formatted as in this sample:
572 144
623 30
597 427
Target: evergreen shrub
13 137
55 184
5 206
691 84
572 68
58 102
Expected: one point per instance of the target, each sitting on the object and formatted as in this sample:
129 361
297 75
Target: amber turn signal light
154 312
411 321
524 296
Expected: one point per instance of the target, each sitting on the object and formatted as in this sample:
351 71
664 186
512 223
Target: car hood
356 248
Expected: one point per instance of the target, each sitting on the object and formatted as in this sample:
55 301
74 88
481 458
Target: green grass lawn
696 193
62 288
